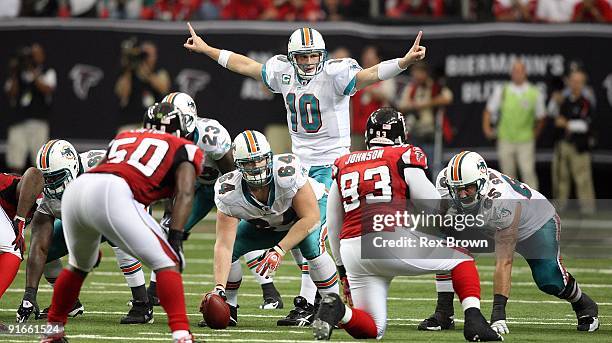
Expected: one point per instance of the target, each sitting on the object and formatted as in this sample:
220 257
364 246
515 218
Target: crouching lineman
215 142
60 163
269 203
520 219
18 196
394 173
140 167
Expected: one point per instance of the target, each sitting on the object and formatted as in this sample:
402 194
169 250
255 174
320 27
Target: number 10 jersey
317 110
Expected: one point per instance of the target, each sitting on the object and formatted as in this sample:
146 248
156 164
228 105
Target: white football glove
500 327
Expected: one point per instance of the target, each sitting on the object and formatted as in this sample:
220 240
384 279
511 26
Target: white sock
470 302
308 289
348 314
178 334
233 283
251 261
131 268
324 275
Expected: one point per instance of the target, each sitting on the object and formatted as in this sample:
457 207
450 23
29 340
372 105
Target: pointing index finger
417 41
191 30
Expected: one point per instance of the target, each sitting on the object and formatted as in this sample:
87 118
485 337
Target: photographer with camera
141 83
30 88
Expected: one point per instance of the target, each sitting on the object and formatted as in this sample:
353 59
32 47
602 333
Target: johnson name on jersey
498 206
318 110
146 160
372 182
214 140
53 207
233 197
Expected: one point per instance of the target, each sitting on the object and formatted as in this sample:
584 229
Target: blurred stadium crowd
553 11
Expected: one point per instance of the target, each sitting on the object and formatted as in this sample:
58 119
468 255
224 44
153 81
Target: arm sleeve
269 73
419 185
344 75
335 217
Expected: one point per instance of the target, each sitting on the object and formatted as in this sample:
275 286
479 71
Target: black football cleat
25 310
331 310
77 310
586 313
301 315
437 322
476 328
272 303
140 313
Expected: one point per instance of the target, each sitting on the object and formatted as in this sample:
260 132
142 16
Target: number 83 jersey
233 197
317 111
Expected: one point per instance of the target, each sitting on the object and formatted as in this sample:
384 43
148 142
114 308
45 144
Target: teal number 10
310 115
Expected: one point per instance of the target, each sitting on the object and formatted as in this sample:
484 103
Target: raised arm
235 62
391 68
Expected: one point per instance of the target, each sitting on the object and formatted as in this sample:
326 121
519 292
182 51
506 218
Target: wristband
389 69
279 250
224 56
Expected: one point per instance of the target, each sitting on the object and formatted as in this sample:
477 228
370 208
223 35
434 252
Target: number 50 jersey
372 183
233 197
147 160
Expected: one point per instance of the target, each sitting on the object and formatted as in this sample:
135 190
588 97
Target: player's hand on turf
416 52
347 298
500 327
19 224
269 261
175 238
195 43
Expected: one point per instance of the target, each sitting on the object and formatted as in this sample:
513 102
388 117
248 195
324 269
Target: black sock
30 294
445 303
140 293
270 291
152 290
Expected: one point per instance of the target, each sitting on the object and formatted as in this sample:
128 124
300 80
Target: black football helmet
165 117
385 127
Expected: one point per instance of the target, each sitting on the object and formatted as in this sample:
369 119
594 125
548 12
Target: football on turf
215 310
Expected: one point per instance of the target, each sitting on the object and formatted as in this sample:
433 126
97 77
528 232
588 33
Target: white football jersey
317 111
53 207
215 142
499 205
233 197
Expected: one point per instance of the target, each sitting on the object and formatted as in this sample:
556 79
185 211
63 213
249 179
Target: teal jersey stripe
351 85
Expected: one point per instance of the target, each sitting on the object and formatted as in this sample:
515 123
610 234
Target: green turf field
533 316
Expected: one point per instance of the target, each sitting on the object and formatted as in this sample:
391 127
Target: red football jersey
146 160
8 193
372 183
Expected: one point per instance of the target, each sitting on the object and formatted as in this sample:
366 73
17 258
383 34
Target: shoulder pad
288 171
227 184
336 66
282 58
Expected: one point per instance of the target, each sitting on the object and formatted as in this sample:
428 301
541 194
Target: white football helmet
253 157
187 106
465 169
306 41
60 164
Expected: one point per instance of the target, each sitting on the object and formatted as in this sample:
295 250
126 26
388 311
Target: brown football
215 310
